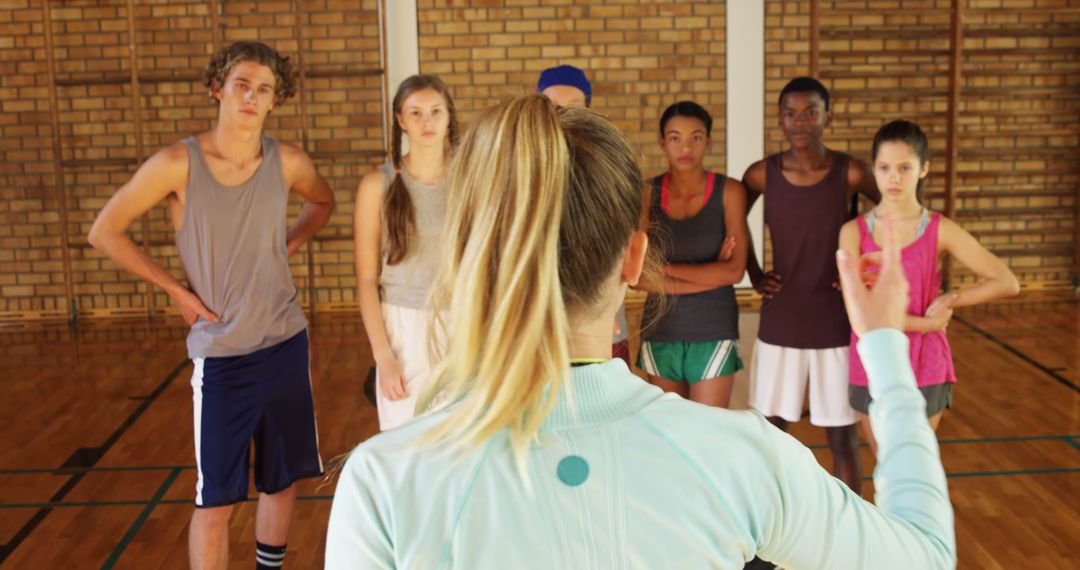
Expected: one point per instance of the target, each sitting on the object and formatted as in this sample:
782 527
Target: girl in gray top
698 219
399 211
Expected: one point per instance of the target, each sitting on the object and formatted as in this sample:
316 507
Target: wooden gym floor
97 466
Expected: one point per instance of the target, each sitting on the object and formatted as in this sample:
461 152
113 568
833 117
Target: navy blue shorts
263 397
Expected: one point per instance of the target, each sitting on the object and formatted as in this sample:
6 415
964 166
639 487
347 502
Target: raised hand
884 306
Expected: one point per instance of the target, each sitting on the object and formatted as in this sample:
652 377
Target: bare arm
767 283
367 241
722 271
754 186
861 181
301 176
998 281
163 174
670 286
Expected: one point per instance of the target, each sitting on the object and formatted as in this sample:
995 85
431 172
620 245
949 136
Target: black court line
1048 371
87 457
135 526
1075 443
74 470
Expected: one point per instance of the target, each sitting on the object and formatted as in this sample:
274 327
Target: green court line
1020 472
157 500
1065 438
135 526
1075 443
1010 473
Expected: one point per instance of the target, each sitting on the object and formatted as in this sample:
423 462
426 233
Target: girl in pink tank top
900 164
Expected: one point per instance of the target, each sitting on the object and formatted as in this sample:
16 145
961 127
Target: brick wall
1018 136
640 55
1019 167
97 114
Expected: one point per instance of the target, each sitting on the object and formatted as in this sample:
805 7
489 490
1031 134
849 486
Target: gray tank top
407 283
698 317
232 245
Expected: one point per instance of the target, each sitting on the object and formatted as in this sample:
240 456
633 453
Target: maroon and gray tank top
232 245
804 222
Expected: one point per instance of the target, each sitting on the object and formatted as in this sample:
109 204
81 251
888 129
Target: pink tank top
931 357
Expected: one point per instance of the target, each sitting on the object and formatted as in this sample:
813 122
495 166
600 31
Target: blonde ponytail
541 206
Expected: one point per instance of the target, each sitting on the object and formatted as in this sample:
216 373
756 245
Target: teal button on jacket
659 482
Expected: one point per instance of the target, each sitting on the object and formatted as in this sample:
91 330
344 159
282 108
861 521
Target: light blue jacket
629 477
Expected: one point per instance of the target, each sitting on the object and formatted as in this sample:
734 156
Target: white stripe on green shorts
719 359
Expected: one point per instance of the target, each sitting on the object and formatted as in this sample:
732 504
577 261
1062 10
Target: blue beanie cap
565 75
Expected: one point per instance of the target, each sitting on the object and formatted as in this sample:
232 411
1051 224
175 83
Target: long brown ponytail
399 215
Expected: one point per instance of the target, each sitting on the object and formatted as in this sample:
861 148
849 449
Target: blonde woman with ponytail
545 452
399 212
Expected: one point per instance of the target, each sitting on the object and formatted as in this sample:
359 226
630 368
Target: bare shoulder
293 156
734 189
948 229
754 177
857 170
849 236
165 171
371 183
173 158
849 226
856 162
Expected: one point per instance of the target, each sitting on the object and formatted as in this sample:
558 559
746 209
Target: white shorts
778 379
408 331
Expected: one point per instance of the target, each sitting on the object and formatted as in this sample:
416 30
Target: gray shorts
938 397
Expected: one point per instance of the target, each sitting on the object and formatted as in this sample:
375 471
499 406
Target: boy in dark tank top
227 193
804 334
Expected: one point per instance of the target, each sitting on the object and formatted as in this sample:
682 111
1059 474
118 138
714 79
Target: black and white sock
269 557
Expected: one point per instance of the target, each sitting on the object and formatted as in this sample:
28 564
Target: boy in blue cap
566 86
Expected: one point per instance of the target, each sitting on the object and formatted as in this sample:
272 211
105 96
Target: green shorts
690 362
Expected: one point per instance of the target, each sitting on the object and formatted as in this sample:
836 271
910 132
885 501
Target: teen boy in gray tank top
226 190
232 245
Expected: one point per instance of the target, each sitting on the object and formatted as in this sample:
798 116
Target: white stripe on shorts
721 355
196 397
648 361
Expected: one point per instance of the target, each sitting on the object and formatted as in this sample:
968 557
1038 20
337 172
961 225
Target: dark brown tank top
804 222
